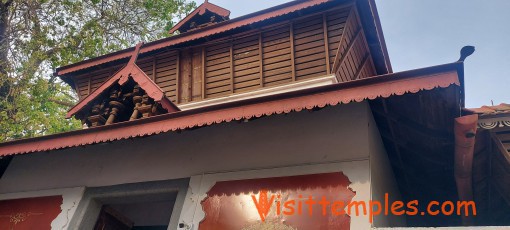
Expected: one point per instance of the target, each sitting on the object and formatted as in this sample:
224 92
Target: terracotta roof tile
492 109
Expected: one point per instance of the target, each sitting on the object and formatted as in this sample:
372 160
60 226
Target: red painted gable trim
354 91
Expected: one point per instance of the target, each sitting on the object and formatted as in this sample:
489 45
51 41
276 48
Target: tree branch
64 103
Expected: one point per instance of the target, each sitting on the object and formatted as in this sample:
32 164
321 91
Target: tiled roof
492 109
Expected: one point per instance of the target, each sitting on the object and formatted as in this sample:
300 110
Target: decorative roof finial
465 52
202 16
135 53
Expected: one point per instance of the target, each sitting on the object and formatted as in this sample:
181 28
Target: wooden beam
490 179
418 152
177 77
501 191
503 149
154 62
203 72
433 133
337 53
326 42
89 87
360 68
365 44
261 61
190 75
292 61
77 89
232 67
349 47
397 149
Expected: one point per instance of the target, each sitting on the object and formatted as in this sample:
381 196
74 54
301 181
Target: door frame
90 205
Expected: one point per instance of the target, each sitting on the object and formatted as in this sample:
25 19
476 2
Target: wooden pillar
261 61
177 76
326 42
154 63
190 74
292 62
232 67
88 87
203 73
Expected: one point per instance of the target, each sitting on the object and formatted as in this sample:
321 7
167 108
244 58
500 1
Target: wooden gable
128 94
205 15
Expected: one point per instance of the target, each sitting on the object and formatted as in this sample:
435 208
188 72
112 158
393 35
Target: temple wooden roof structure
215 57
141 91
491 163
377 87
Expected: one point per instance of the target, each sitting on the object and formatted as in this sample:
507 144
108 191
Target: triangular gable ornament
105 104
205 15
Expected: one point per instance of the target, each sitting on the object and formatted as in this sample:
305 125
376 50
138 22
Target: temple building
286 118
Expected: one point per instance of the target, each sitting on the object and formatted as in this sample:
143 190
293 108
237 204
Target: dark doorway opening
141 212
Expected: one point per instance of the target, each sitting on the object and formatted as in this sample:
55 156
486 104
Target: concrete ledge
448 228
315 82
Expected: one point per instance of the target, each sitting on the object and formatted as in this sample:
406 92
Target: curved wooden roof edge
206 6
121 77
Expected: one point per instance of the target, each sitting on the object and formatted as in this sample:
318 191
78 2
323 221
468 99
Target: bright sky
422 33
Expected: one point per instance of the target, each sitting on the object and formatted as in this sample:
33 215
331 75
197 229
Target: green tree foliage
36 36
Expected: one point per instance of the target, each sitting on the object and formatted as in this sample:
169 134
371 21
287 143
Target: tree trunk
4 11
4 46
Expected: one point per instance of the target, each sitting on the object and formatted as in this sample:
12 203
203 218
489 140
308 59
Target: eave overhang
382 86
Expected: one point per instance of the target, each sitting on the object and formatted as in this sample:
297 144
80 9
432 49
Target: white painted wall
332 139
357 172
381 177
330 135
